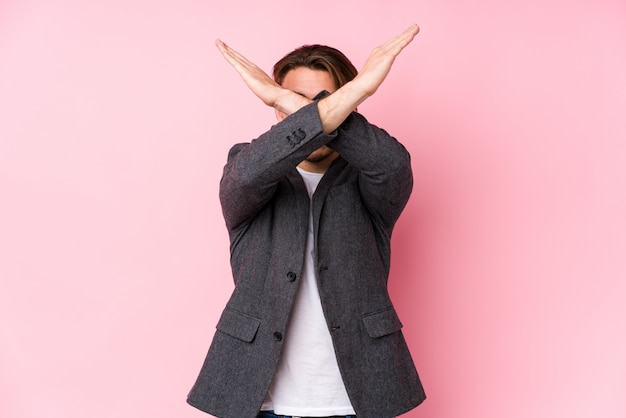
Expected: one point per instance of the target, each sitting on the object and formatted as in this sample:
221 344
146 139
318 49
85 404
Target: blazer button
291 276
278 336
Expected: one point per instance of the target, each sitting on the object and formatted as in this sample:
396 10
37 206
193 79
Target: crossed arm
335 108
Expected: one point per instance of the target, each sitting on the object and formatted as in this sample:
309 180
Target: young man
310 205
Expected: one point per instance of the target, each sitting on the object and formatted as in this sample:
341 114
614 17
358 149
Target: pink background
509 262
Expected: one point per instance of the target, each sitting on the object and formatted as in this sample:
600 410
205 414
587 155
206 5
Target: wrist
357 90
289 102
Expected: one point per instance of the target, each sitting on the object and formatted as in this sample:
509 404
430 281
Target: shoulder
236 149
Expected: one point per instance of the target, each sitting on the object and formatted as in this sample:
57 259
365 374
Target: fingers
256 79
226 51
396 44
411 32
408 35
413 29
230 54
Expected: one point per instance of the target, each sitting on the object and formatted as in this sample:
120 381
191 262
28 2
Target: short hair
317 57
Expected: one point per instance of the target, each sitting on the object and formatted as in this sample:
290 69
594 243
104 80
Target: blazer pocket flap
382 323
238 325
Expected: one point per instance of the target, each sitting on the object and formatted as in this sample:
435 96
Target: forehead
308 82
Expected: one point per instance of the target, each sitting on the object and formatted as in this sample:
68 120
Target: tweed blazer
266 209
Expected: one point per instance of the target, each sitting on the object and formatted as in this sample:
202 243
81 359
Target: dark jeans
271 414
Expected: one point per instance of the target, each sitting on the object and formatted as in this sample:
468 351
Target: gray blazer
266 209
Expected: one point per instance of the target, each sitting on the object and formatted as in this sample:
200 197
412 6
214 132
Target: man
310 330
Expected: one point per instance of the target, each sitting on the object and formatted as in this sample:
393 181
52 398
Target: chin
319 155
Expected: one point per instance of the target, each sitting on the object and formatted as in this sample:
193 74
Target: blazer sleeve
384 165
254 169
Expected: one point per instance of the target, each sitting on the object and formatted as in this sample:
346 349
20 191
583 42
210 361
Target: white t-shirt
307 381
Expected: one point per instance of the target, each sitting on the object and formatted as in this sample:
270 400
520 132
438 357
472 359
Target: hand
256 79
334 109
266 89
379 62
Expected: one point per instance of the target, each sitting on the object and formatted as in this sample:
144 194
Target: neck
319 167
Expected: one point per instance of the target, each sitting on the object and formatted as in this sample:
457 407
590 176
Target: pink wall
510 260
